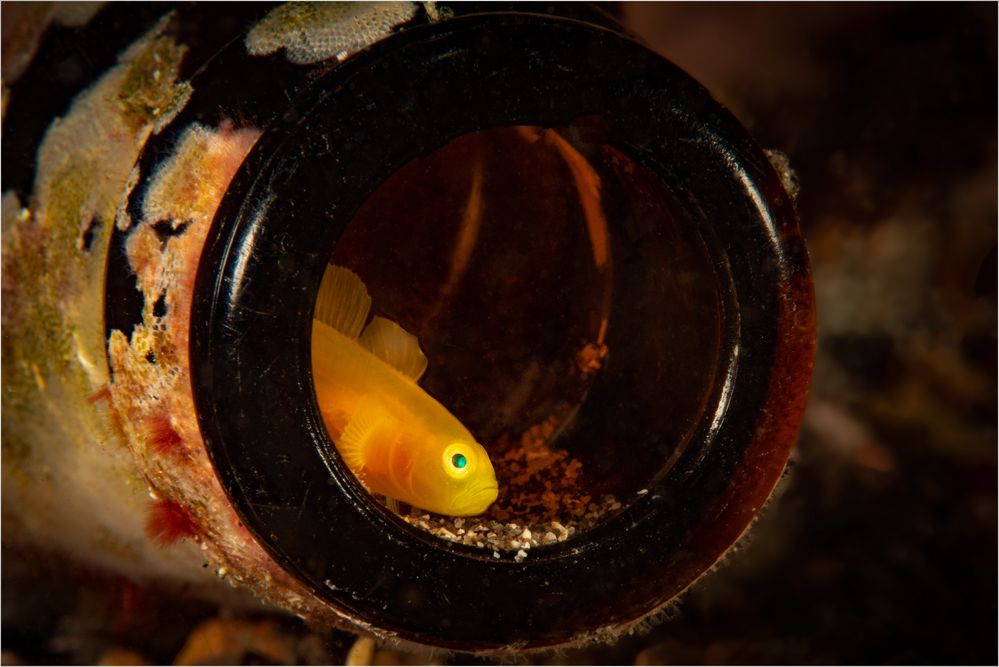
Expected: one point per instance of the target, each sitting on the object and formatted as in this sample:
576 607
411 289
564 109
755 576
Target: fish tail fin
343 301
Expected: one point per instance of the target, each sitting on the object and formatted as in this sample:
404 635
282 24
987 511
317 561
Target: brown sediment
542 499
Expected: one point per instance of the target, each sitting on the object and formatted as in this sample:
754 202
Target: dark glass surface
304 182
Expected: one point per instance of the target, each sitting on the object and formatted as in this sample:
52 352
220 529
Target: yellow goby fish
392 434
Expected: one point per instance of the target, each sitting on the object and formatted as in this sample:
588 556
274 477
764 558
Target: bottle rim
260 270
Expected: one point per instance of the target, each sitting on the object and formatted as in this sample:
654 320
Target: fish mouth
477 501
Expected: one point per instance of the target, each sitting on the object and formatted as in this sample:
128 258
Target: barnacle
595 264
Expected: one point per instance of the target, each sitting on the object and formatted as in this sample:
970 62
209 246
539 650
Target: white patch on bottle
311 32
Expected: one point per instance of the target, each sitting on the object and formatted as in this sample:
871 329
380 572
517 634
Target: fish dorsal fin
356 439
395 346
343 301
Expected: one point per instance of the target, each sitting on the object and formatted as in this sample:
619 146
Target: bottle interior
569 310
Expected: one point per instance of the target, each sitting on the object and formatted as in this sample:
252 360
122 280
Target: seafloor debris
541 499
591 358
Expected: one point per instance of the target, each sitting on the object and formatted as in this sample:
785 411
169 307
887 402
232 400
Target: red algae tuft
162 437
167 522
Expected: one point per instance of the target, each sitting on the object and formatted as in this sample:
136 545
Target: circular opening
570 316
704 274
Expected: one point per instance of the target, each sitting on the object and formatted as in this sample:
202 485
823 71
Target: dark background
880 546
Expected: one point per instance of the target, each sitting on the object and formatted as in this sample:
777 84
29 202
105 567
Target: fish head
458 479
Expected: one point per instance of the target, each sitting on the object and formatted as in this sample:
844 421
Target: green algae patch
61 445
147 92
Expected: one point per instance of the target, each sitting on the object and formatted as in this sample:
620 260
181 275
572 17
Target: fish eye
458 460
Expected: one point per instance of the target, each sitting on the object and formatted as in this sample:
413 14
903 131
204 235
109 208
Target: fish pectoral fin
343 302
363 432
395 346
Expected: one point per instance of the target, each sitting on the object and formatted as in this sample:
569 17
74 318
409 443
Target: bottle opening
552 297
